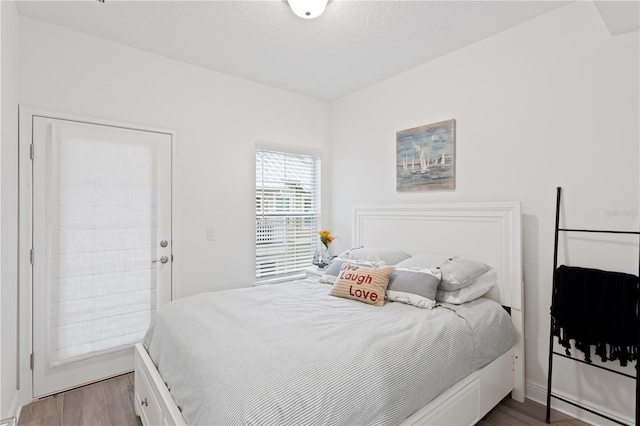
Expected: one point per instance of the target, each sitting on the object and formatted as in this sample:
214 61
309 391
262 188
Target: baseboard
14 407
539 394
12 421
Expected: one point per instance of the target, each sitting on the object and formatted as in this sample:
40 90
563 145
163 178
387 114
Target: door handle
163 259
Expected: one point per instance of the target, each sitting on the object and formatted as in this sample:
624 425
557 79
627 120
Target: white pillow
389 257
328 279
457 272
471 292
423 261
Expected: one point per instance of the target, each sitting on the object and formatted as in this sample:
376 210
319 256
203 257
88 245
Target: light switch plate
211 234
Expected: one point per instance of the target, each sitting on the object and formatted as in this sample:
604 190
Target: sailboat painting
425 157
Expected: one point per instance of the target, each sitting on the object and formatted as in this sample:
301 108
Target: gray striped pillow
414 287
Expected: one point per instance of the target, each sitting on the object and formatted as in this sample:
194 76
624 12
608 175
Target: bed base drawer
146 404
462 409
152 401
466 402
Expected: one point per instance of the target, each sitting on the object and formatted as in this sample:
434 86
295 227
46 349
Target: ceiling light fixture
307 9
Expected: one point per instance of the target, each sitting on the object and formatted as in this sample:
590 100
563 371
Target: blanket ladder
552 352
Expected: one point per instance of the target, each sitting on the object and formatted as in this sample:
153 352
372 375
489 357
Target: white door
102 247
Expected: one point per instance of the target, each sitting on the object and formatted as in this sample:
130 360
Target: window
287 212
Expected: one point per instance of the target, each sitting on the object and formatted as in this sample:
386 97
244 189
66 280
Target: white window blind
103 284
287 212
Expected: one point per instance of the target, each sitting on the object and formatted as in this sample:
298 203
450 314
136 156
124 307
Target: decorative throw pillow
466 294
332 272
389 257
362 283
414 287
458 272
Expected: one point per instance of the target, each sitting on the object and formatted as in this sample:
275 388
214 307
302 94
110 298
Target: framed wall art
426 157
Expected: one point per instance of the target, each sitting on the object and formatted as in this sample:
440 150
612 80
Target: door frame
25 230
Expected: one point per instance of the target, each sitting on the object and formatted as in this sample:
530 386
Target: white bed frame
487 232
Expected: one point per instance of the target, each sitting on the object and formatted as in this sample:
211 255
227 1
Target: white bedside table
314 271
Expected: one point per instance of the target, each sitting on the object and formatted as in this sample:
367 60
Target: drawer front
146 404
461 409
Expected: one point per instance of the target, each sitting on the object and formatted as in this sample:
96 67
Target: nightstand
314 271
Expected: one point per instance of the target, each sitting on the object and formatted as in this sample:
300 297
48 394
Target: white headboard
488 232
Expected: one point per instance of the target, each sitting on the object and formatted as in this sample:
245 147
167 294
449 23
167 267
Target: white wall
218 119
8 201
551 102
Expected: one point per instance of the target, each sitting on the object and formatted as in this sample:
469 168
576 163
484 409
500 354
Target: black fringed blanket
596 308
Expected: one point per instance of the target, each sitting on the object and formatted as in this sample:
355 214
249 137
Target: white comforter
291 354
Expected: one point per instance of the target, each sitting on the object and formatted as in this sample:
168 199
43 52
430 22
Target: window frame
289 206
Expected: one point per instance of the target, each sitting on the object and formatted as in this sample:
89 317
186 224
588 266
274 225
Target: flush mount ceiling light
307 9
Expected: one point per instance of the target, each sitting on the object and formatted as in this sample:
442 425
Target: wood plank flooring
110 403
106 403
529 413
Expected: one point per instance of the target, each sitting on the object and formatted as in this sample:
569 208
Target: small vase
321 258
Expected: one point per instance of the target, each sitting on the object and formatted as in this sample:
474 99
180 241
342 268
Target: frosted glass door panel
102 205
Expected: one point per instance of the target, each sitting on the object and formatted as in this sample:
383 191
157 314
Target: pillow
334 267
362 283
423 261
414 287
458 273
327 279
389 257
468 293
329 276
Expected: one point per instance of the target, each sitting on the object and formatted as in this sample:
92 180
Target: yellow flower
326 238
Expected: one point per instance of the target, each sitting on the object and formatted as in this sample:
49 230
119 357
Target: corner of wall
620 17
9 80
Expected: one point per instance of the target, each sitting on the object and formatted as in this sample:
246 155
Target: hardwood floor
110 403
529 413
106 403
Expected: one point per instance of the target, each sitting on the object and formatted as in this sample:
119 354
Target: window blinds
287 212
103 216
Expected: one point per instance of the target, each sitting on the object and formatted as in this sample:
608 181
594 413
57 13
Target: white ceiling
620 16
352 45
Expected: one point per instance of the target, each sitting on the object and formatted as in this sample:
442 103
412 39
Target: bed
317 375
